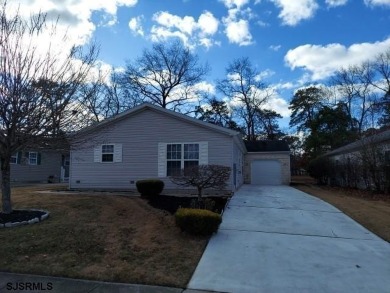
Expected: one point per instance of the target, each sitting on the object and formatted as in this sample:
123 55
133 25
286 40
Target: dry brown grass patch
104 237
374 214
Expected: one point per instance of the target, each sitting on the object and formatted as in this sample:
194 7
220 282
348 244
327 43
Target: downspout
232 168
70 168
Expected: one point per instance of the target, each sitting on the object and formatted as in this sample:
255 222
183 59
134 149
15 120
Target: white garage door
266 172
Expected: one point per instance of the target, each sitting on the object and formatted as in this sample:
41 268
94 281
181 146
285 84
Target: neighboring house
363 163
151 142
37 165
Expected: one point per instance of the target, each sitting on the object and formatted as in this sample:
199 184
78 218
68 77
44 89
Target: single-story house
363 163
40 166
152 142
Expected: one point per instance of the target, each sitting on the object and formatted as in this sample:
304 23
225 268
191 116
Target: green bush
150 187
197 221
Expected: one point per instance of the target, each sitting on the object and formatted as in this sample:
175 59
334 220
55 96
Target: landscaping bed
20 216
172 203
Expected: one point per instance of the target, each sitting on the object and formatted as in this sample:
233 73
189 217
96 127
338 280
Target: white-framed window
32 158
14 158
181 156
108 153
174 159
174 156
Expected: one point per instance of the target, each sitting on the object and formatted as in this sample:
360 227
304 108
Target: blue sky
293 42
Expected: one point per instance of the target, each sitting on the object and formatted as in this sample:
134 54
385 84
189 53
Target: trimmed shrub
197 221
149 187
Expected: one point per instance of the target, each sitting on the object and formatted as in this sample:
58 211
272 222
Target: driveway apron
279 239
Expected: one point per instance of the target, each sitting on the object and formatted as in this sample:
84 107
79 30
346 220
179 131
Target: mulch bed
163 202
172 203
20 216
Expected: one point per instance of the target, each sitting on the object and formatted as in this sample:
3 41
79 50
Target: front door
65 168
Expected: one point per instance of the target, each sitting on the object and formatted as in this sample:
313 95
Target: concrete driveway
279 239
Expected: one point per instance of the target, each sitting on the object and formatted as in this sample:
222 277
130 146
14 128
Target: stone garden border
29 222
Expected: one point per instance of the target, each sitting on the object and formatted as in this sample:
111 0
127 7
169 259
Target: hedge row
150 187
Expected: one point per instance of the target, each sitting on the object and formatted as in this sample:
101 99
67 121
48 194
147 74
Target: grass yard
371 211
102 237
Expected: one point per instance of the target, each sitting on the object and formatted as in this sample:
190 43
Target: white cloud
74 27
235 3
190 31
159 33
236 26
238 32
262 23
323 61
284 86
75 17
377 2
335 3
207 23
275 47
136 26
295 11
186 24
205 86
264 74
278 104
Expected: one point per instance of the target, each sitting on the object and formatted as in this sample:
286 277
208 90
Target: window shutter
162 159
203 153
19 157
117 152
97 154
38 158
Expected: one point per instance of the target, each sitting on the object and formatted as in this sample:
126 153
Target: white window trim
117 154
16 156
110 153
36 158
162 155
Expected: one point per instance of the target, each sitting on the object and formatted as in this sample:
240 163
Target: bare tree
381 82
359 96
35 88
244 86
104 98
203 176
165 75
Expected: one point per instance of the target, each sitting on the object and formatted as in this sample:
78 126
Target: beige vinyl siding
142 137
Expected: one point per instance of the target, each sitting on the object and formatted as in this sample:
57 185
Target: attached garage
267 162
266 172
